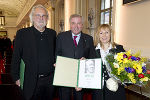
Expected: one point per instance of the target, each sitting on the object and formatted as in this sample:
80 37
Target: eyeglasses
40 16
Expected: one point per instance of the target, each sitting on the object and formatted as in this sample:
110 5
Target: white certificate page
90 74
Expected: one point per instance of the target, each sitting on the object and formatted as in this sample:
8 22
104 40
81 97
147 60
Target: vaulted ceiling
18 8
12 7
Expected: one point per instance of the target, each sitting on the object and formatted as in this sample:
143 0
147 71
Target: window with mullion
106 12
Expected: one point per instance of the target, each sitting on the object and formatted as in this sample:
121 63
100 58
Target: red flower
141 76
148 72
129 57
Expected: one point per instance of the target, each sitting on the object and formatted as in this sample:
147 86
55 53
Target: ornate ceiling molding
12 7
26 9
18 8
24 15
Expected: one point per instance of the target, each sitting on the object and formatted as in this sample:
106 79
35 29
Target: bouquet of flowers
128 68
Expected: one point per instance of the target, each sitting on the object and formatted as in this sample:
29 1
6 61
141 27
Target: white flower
143 64
112 84
115 56
116 65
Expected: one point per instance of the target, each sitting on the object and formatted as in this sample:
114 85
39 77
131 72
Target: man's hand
18 83
82 58
54 65
78 89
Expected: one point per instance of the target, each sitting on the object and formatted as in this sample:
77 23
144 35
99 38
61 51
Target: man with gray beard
35 45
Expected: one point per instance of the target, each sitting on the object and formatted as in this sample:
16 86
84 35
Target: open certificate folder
81 73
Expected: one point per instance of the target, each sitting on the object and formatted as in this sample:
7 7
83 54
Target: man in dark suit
35 45
74 44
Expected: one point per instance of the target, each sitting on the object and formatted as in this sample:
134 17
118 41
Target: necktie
74 40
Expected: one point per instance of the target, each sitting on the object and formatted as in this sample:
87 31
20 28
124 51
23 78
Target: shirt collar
37 32
76 35
99 46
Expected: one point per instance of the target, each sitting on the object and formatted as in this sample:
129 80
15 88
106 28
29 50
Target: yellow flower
144 79
125 60
133 81
131 77
138 68
143 59
128 53
120 69
120 57
137 54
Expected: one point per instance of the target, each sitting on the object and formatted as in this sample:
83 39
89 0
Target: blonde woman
104 45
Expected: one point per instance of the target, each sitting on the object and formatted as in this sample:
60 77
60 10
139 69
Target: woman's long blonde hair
96 38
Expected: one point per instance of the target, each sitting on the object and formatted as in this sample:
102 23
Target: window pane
102 4
106 14
112 3
107 17
111 17
102 18
107 4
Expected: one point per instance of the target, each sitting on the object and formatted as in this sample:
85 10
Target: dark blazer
65 46
26 48
106 94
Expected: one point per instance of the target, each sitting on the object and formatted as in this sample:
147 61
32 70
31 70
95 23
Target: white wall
132 29
132 26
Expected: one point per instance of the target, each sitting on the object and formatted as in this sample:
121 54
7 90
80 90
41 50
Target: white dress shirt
78 37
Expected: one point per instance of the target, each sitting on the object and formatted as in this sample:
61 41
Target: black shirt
43 51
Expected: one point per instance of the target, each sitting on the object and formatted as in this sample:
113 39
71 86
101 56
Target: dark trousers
97 94
44 89
66 93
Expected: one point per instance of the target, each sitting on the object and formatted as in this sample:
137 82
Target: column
69 9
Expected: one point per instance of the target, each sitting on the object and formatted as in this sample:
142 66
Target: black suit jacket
65 46
117 49
26 48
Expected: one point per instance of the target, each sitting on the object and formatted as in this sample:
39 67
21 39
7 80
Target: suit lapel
98 53
81 41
